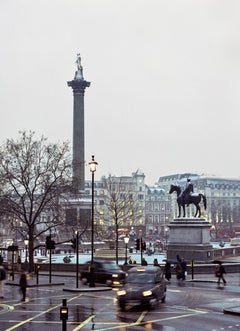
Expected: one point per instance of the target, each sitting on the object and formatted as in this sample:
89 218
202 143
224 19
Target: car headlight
147 293
122 292
114 275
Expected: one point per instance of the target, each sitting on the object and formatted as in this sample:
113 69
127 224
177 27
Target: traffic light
12 248
50 244
143 245
74 243
137 244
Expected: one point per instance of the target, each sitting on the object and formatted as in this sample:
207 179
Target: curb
232 311
36 285
88 289
201 281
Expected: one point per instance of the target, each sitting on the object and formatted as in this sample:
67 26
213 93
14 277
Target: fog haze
165 79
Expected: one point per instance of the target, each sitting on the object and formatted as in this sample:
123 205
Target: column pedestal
190 239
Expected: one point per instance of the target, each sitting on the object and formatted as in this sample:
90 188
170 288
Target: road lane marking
5 308
141 317
89 319
36 316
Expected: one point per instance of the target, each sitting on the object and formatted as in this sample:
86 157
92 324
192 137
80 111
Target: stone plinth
190 239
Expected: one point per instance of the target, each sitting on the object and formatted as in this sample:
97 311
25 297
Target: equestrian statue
188 197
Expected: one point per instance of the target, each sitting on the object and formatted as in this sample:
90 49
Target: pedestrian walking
219 273
155 263
179 271
167 270
2 279
184 268
19 263
23 285
144 262
1 259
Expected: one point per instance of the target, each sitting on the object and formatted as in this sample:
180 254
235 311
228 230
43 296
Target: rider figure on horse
187 191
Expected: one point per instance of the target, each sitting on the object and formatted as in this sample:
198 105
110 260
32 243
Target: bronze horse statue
187 198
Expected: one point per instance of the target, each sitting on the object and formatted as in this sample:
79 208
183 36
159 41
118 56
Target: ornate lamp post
93 166
26 242
77 256
166 237
126 240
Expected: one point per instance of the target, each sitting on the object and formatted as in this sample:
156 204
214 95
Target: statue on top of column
79 72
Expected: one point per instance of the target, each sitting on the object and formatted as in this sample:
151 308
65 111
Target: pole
141 250
77 248
13 265
192 269
126 253
91 282
26 254
50 259
92 238
92 169
50 266
64 314
37 280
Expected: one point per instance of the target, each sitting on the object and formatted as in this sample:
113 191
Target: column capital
78 86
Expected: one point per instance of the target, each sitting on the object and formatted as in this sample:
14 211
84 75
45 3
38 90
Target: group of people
181 268
22 280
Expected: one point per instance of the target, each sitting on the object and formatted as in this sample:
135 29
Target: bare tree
34 177
123 207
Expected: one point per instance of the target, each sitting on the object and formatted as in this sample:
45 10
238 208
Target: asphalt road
192 306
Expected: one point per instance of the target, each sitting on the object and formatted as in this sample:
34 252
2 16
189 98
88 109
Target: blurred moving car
105 272
144 286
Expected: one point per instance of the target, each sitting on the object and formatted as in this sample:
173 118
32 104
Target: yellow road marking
6 308
34 317
84 323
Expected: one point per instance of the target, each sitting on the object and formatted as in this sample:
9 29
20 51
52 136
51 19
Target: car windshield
110 266
140 278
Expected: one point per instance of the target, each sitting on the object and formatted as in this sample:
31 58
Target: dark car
105 272
144 286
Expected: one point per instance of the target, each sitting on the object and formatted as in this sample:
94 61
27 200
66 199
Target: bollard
38 267
192 265
64 314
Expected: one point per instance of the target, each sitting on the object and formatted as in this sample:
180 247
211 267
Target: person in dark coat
184 269
144 262
220 271
155 263
167 270
23 285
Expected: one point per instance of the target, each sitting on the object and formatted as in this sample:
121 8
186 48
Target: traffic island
88 289
232 311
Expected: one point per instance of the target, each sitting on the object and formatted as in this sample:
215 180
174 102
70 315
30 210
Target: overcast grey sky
165 80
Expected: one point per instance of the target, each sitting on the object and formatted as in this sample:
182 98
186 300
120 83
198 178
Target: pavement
43 280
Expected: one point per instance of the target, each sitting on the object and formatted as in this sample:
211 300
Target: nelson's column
78 85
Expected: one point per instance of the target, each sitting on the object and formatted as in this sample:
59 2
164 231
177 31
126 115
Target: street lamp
126 240
77 256
26 242
93 167
166 237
